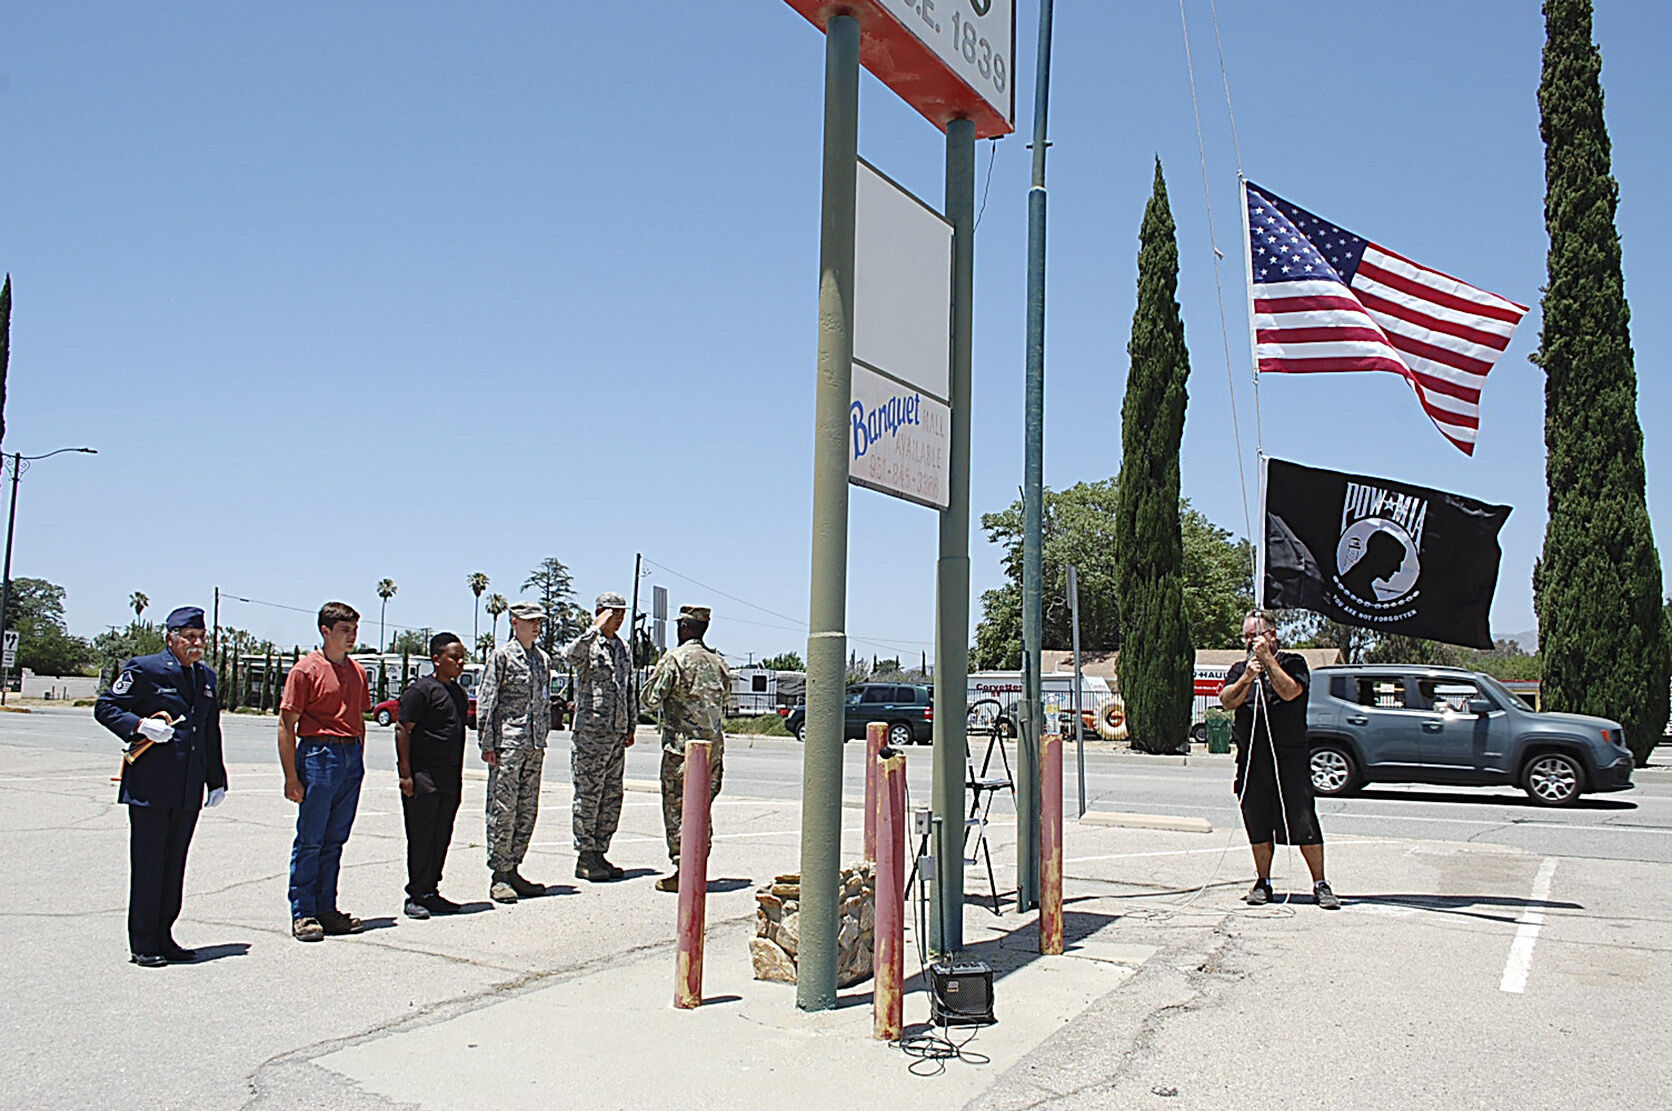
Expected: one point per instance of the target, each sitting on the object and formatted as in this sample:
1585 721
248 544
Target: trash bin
1219 734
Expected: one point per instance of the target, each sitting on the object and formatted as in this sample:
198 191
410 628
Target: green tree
1157 660
117 646
412 642
137 601
45 646
554 586
386 589
1080 529
496 605
787 661
478 582
1597 586
484 645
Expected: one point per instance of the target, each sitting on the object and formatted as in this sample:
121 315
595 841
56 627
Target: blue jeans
330 775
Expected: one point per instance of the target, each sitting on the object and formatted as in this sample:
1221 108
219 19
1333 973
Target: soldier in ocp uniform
165 707
689 687
604 721
513 716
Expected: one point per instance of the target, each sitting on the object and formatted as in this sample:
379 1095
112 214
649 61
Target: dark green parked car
907 708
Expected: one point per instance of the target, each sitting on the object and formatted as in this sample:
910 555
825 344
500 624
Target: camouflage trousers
673 792
513 804
598 762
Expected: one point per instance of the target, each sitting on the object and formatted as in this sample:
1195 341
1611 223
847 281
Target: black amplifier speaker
961 993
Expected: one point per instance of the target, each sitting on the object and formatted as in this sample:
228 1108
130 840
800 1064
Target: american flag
1328 300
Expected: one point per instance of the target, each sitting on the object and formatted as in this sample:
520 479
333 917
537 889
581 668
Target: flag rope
1218 262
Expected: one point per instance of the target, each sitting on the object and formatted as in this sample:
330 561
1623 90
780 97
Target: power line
796 626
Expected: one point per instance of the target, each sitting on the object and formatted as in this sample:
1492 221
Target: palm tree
386 590
137 601
496 606
478 582
484 645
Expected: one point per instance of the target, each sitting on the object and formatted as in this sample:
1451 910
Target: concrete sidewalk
1170 983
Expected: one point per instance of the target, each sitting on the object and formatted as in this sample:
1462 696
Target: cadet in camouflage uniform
513 716
604 721
689 688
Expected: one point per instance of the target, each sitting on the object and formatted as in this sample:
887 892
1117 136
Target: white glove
156 729
216 794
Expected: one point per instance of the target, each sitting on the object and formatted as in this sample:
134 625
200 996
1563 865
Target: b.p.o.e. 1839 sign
898 439
949 59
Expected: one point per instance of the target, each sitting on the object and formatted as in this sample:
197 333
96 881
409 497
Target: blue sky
412 290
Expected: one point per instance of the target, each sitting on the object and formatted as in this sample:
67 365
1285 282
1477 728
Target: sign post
953 63
827 642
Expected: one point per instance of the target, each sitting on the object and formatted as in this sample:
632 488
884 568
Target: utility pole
952 571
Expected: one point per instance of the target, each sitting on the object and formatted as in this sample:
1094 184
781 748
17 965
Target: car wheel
1553 779
1199 733
899 734
801 731
1333 771
383 717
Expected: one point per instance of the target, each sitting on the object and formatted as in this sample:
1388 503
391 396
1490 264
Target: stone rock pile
776 943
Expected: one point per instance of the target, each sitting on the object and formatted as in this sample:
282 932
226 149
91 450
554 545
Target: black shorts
1289 817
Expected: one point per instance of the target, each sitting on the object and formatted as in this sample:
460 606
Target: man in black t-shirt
429 751
1267 693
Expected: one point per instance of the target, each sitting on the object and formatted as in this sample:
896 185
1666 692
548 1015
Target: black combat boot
590 866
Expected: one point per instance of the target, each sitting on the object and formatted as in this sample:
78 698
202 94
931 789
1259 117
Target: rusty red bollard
888 940
693 877
1050 845
876 736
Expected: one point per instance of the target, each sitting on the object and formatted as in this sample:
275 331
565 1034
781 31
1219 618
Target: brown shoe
307 929
669 882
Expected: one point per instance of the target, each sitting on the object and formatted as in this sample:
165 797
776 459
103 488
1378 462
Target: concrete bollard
876 736
1050 845
888 940
693 877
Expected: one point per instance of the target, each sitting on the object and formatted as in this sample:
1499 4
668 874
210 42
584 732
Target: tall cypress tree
1597 588
1156 658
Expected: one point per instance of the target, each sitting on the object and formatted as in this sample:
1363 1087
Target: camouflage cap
610 600
528 611
695 613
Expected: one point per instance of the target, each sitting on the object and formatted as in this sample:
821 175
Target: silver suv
1410 723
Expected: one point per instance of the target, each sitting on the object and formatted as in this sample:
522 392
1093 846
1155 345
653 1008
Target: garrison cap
610 600
186 617
528 611
695 613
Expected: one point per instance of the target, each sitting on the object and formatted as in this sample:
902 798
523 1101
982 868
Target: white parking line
1520 960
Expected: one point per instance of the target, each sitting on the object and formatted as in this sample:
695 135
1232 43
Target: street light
19 463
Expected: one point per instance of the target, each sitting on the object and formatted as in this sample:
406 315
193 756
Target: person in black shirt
1267 693
429 751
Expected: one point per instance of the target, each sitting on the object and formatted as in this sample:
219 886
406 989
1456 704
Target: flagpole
1260 542
1253 337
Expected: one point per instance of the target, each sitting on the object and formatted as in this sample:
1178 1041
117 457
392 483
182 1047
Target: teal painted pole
827 642
1033 500
952 572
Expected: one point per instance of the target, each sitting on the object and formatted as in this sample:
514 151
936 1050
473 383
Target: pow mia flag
1380 554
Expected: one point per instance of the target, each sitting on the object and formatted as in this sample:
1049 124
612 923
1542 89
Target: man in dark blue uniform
165 707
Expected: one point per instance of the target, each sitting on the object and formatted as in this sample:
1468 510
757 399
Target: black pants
1277 798
159 838
429 828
